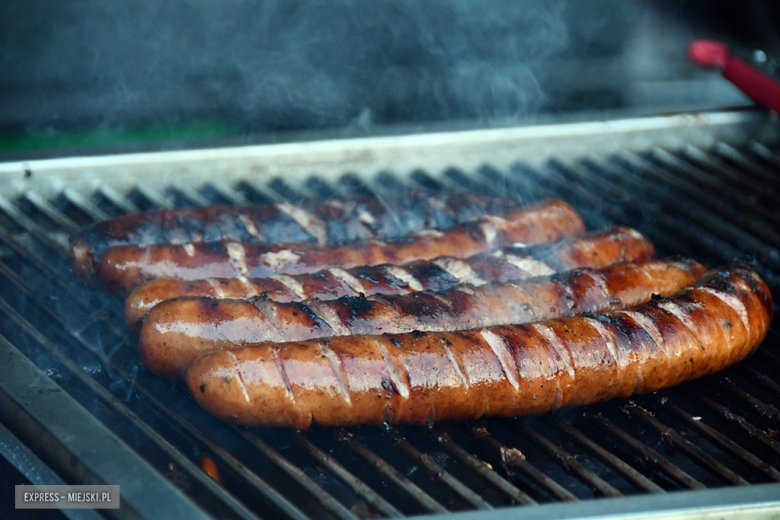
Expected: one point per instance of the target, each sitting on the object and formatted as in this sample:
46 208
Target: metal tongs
753 72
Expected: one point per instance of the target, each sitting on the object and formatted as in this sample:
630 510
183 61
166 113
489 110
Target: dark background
88 72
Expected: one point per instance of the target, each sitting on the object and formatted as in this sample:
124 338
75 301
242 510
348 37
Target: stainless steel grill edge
704 185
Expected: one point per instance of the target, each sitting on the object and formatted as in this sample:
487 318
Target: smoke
276 64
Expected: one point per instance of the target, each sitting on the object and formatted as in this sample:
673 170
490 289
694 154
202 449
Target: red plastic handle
761 87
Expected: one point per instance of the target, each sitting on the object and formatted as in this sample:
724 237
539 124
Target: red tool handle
761 87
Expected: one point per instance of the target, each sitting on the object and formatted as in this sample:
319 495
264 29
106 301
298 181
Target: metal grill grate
713 204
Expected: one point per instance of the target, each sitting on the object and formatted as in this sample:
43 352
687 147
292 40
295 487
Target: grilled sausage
125 267
333 222
179 331
504 371
597 249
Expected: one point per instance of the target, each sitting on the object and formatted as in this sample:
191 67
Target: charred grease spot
420 304
432 276
418 334
600 317
203 388
370 278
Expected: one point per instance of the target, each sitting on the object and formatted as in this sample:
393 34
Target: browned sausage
504 371
125 267
179 331
332 222
595 250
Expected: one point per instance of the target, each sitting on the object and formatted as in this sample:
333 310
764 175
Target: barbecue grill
77 406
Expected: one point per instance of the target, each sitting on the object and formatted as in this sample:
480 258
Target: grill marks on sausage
185 225
215 284
614 244
509 370
459 270
504 356
240 377
732 302
398 375
251 228
236 257
283 374
124 267
404 276
334 222
310 223
251 289
349 280
292 284
529 265
459 308
338 371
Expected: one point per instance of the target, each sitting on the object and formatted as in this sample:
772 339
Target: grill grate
712 203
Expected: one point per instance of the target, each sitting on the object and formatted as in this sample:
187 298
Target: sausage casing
179 331
504 371
595 250
125 267
332 222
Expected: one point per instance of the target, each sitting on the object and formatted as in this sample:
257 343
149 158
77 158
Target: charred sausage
125 267
332 222
179 331
595 250
504 371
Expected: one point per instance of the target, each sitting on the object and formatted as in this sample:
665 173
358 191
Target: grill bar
648 454
567 461
300 477
761 380
753 432
157 199
423 498
748 206
50 211
763 409
444 436
171 451
745 163
441 474
235 197
604 187
513 460
57 244
124 204
675 440
164 410
691 209
724 443
86 205
80 445
707 162
620 467
355 483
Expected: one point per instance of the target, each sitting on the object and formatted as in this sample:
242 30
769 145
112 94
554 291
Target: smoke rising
275 64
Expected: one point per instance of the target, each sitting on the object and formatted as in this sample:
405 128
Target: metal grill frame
494 150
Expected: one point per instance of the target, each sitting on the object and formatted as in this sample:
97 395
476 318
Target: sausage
179 331
332 222
597 249
125 267
500 371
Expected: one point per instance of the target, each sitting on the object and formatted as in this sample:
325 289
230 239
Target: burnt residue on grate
713 205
